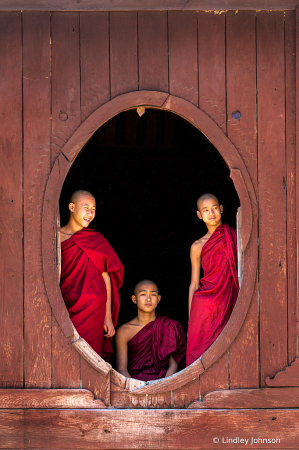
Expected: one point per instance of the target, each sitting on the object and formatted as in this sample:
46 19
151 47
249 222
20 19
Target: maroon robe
214 300
150 349
84 257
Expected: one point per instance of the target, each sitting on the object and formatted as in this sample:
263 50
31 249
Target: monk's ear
159 298
221 209
134 300
198 215
71 206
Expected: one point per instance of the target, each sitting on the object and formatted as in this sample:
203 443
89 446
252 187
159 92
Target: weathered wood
216 376
287 377
241 189
66 115
37 153
165 429
187 394
241 96
297 178
103 114
153 51
211 66
11 217
290 61
271 176
250 398
48 399
183 68
49 249
91 357
146 5
123 53
94 61
94 382
65 361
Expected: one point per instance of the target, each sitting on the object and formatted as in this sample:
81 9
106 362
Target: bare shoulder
125 332
197 246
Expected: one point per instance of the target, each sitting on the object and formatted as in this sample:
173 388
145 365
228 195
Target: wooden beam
146 5
148 429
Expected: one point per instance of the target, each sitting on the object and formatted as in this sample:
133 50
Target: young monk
211 299
149 347
91 275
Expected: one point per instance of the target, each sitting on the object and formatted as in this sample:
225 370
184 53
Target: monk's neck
144 318
211 229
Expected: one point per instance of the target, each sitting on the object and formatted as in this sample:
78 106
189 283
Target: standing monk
149 347
91 275
211 299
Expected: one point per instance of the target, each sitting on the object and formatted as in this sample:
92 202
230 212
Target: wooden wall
58 64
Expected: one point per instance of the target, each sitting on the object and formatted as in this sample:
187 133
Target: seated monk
91 275
149 347
211 299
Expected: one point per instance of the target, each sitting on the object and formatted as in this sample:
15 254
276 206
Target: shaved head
206 197
78 194
141 283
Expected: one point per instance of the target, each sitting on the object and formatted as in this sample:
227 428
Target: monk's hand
109 327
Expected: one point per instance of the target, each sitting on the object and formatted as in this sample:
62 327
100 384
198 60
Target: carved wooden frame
245 190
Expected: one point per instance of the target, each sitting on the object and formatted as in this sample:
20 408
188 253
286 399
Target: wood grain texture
91 357
11 218
37 153
246 227
65 78
271 176
153 51
146 5
183 68
165 429
216 376
94 61
123 53
287 377
250 398
94 382
297 180
241 96
187 394
48 399
211 66
66 372
290 61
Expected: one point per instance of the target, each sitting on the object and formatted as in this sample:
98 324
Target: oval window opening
146 174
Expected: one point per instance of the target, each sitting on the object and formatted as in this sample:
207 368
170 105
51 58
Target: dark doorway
146 174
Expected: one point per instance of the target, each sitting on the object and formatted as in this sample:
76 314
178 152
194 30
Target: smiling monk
211 299
149 347
91 275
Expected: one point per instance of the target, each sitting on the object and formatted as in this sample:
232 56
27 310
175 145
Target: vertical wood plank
123 53
297 177
153 51
272 194
36 117
95 382
183 67
211 66
187 394
11 218
65 79
241 96
94 59
290 60
65 360
212 100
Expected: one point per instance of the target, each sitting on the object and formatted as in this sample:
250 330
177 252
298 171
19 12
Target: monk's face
210 211
147 297
83 211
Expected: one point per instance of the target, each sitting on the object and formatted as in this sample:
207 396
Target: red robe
214 300
84 257
150 349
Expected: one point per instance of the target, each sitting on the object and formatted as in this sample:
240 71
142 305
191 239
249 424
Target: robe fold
84 257
150 349
214 300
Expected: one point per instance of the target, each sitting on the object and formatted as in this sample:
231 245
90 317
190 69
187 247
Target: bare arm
172 367
195 270
108 325
121 342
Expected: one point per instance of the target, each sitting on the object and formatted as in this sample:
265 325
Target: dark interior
146 174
